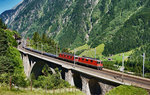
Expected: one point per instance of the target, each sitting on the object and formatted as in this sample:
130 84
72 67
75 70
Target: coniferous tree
65 50
3 42
2 25
44 38
36 37
6 65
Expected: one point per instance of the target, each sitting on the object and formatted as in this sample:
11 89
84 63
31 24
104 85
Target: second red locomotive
82 60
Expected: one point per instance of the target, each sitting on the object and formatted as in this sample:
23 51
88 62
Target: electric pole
37 45
123 62
74 58
122 65
25 43
143 62
95 53
42 48
56 49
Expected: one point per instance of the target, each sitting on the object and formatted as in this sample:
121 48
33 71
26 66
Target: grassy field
91 52
118 57
85 50
127 90
6 91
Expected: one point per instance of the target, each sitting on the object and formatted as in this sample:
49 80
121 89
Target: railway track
124 78
114 75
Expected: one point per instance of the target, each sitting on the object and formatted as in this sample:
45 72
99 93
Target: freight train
85 61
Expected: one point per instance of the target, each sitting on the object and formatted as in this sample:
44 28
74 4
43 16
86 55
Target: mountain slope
76 22
134 33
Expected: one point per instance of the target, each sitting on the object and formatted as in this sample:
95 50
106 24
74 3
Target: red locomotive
82 60
66 56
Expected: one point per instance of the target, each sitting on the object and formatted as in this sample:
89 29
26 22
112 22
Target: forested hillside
10 61
121 25
134 33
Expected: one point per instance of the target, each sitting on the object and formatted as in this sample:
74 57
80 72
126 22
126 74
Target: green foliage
36 37
127 90
114 23
135 62
46 70
134 33
16 91
4 77
14 55
73 33
66 50
90 52
10 38
118 57
134 66
10 61
3 42
44 38
110 65
19 79
6 65
2 25
49 80
7 40
111 19
44 43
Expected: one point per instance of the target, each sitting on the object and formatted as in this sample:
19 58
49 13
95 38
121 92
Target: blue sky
8 4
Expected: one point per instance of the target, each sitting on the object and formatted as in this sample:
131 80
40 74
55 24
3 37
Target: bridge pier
69 77
105 87
85 85
26 64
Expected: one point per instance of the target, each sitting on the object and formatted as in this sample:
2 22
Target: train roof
69 54
90 58
81 57
50 54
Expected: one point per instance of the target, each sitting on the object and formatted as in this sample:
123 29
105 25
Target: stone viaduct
87 79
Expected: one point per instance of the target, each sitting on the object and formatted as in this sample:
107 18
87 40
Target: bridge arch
37 69
95 88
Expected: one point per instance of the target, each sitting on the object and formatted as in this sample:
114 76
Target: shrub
49 80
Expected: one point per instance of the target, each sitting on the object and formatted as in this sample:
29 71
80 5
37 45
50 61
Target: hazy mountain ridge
8 16
76 22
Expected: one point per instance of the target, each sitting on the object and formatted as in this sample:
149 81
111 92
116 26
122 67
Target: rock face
75 22
9 15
